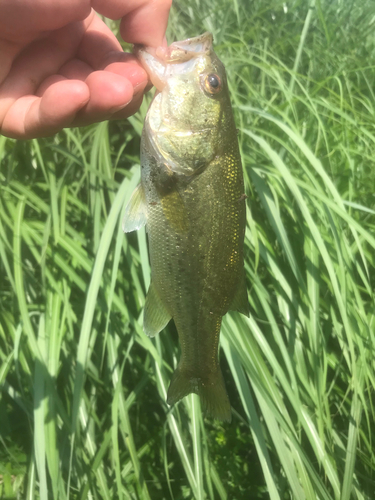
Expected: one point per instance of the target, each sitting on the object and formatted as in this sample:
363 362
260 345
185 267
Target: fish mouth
179 57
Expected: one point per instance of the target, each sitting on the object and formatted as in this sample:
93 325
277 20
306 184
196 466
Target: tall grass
82 405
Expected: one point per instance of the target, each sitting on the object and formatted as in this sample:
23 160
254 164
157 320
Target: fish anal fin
210 389
136 211
240 300
155 315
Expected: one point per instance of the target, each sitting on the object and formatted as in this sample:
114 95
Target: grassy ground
82 405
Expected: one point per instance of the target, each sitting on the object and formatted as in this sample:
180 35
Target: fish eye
212 83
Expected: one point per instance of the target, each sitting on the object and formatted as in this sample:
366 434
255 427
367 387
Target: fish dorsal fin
136 211
155 315
240 301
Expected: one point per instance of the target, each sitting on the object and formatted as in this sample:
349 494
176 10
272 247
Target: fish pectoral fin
155 315
240 301
175 211
173 206
136 211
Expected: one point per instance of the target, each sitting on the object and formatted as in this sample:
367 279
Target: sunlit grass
82 408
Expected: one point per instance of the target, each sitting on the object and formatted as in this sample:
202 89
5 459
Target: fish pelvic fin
211 390
155 315
136 211
240 300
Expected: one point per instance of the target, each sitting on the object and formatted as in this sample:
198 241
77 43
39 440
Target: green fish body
191 198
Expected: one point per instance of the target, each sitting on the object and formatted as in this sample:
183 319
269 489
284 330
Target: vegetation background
82 401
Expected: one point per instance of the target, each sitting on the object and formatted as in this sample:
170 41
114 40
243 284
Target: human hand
61 66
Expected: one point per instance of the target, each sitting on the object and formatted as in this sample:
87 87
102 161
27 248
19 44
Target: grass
82 405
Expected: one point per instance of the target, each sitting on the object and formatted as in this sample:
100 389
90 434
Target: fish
192 200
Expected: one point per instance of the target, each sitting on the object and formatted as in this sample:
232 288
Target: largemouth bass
191 198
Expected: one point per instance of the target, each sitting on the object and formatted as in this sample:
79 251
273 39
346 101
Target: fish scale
192 200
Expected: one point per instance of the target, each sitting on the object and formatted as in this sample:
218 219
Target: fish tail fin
214 397
210 389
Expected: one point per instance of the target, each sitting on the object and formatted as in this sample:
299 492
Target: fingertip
131 70
108 91
47 83
147 24
64 97
65 103
56 109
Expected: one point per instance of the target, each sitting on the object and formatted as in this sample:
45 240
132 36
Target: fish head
187 121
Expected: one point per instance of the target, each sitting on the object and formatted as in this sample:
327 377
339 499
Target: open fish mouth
178 58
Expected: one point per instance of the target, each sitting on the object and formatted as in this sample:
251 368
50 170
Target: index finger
143 21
